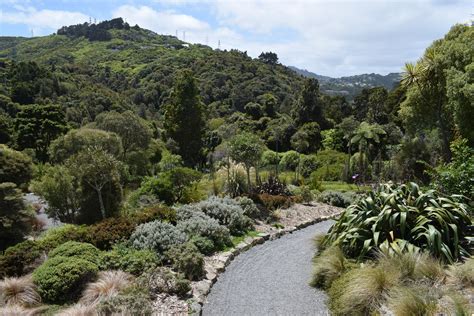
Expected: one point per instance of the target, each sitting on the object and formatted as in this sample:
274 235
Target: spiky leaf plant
398 219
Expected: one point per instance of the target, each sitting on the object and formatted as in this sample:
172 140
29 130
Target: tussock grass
414 301
462 274
361 291
19 291
17 310
328 266
109 284
318 242
79 310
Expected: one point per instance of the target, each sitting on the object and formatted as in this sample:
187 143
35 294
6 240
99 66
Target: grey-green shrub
130 260
187 259
62 279
228 212
76 249
164 280
157 236
250 209
199 224
132 301
335 198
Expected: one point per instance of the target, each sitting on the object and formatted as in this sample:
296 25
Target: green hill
133 67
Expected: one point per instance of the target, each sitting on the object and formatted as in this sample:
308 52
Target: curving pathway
270 279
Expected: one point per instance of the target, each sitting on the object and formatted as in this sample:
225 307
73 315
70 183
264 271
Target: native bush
109 231
154 212
20 259
404 218
62 279
228 212
200 224
272 186
157 236
205 245
57 236
132 301
250 209
129 260
164 280
335 198
187 259
273 202
78 250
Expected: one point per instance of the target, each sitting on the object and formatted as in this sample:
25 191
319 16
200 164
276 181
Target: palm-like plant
400 219
366 135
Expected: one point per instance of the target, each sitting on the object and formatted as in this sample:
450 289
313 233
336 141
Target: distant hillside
111 64
351 85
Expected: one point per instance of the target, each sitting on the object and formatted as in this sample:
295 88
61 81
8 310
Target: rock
195 308
201 289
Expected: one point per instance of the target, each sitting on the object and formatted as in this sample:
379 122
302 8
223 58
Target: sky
329 37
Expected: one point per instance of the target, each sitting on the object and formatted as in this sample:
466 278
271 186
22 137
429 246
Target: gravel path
271 279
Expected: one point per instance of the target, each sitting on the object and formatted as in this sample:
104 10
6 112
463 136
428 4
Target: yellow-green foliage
328 266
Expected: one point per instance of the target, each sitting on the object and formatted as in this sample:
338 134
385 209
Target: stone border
202 288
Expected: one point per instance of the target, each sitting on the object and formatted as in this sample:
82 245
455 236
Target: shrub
132 301
155 212
20 259
108 284
236 184
273 187
19 291
61 279
303 192
156 236
330 172
308 164
163 280
187 259
250 209
201 225
109 231
273 202
57 236
78 250
228 212
129 260
327 267
335 198
400 219
205 245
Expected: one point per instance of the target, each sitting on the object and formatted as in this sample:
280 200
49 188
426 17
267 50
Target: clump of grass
415 301
462 274
318 241
79 310
328 266
17 310
453 304
19 291
361 291
108 285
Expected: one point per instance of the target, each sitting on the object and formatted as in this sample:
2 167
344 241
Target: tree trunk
248 176
101 203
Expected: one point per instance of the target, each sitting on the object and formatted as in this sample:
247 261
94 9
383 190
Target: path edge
201 289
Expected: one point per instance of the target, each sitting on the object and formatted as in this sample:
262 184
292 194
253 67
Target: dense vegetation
155 153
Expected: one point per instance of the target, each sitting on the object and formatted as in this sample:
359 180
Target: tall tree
183 118
133 130
37 126
247 148
309 107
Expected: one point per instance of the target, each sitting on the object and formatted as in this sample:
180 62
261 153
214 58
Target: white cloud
42 20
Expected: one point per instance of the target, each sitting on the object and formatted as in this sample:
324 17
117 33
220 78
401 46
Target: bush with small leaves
199 224
205 245
62 279
57 236
335 198
228 212
250 209
273 202
164 280
155 212
273 186
129 260
187 259
21 258
111 230
76 249
157 236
